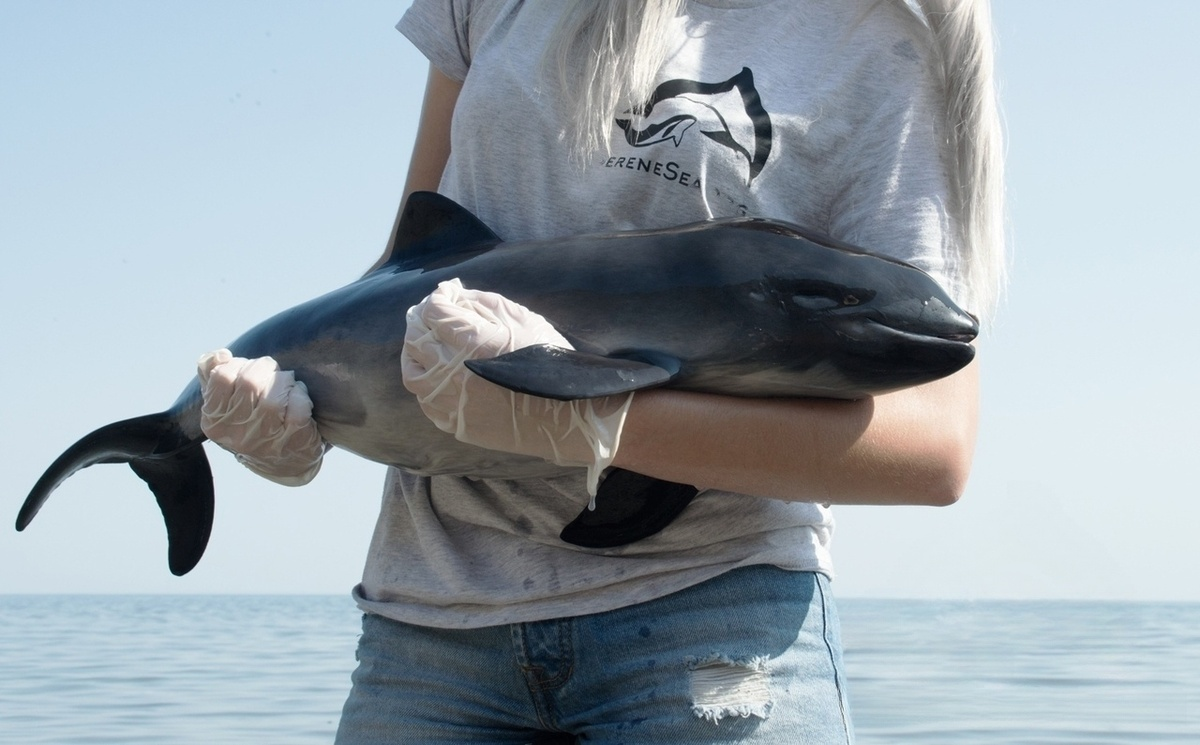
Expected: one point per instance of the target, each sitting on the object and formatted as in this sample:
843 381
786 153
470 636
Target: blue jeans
752 656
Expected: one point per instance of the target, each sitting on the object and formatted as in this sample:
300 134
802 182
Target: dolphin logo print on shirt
737 121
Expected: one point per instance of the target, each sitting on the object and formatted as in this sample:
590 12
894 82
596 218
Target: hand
261 414
455 324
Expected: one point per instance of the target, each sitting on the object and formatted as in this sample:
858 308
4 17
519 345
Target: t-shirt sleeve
895 194
439 28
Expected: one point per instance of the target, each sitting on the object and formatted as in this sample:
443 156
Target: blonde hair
623 43
963 42
608 53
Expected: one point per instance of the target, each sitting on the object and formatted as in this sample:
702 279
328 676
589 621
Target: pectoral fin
565 374
629 507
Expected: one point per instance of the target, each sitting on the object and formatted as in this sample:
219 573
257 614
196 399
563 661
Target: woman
871 121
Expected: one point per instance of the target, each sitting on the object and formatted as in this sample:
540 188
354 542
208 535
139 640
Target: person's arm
912 446
431 149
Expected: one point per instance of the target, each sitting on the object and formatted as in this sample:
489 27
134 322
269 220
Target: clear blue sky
171 173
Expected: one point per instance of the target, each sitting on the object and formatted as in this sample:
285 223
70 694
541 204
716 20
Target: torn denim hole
722 687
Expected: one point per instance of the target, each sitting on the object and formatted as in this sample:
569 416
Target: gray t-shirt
817 112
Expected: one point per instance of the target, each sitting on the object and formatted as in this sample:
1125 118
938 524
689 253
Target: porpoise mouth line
955 339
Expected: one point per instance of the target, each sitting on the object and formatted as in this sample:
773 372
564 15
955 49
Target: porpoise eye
812 295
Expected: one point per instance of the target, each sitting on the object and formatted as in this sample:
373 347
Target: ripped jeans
751 656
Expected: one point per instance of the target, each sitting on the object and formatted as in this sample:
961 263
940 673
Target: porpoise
739 306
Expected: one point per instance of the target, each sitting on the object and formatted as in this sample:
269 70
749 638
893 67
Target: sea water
241 669
1023 672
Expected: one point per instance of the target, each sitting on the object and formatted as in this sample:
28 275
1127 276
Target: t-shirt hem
474 616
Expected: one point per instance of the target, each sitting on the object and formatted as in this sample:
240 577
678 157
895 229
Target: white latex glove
262 414
455 324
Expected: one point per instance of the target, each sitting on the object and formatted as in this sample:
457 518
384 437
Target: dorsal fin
435 226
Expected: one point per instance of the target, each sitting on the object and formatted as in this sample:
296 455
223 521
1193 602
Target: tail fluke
158 451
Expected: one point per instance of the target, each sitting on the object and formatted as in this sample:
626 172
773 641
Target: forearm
909 447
